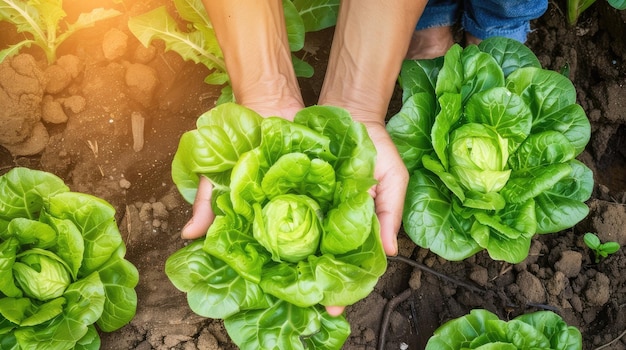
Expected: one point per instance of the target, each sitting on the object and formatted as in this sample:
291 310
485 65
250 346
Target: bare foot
430 43
470 39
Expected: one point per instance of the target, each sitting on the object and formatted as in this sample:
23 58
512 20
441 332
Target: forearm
370 43
253 39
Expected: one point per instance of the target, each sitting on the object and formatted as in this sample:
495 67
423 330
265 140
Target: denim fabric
485 18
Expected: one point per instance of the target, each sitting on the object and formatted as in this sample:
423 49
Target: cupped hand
389 193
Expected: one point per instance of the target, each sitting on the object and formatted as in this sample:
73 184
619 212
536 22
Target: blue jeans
484 18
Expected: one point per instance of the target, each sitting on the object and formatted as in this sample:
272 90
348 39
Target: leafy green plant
295 226
576 7
490 140
62 265
199 44
601 250
42 20
481 329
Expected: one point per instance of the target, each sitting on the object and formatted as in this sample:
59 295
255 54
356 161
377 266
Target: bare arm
253 39
370 43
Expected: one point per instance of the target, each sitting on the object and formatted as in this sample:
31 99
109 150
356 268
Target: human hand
389 193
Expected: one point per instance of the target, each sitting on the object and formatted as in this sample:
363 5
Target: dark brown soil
76 121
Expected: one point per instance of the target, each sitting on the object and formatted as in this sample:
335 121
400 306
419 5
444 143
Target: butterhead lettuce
62 266
490 140
295 227
481 329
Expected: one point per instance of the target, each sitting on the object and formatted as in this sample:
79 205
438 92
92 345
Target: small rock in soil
75 103
114 44
57 79
597 292
531 288
480 275
52 111
557 283
570 263
71 64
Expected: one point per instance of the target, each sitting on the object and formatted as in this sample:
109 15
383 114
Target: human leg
433 33
508 18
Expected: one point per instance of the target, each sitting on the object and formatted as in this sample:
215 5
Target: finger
389 202
203 215
335 311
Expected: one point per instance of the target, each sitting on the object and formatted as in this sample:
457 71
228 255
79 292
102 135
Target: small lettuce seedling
42 20
601 250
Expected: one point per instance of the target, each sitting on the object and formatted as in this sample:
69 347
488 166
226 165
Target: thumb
203 215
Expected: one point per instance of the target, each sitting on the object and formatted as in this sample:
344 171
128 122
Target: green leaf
214 289
505 112
419 76
544 91
317 14
285 326
430 221
23 191
294 25
410 129
196 45
618 4
510 54
592 241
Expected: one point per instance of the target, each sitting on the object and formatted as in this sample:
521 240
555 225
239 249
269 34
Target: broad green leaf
430 221
23 191
570 121
542 149
529 183
95 218
504 111
347 226
480 72
214 289
450 78
283 326
410 129
317 14
510 54
419 76
618 4
294 25
459 332
85 302
119 278
544 91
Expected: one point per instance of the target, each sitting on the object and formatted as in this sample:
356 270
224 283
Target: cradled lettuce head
478 157
289 227
41 277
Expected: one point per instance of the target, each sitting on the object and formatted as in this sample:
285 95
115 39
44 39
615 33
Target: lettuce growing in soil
481 329
62 265
295 227
490 140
